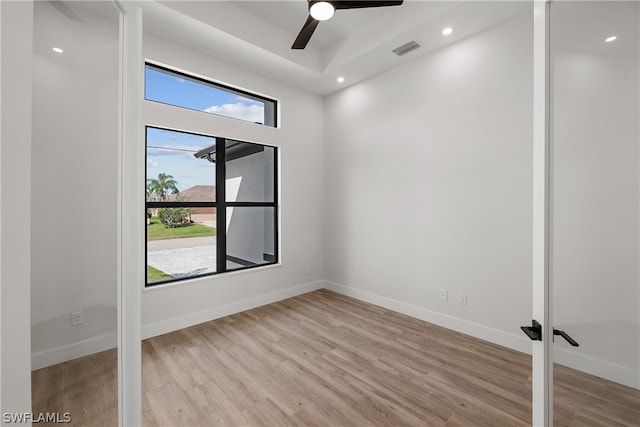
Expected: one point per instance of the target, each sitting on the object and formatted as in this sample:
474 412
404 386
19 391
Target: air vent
406 48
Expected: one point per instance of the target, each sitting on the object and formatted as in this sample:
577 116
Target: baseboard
176 323
72 351
597 367
85 348
495 336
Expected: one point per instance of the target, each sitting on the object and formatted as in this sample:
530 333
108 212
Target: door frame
542 351
130 224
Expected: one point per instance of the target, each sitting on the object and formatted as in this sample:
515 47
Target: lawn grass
157 230
154 275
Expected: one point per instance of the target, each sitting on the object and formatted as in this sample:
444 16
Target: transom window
182 90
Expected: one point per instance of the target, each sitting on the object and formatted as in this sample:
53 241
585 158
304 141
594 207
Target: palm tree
158 188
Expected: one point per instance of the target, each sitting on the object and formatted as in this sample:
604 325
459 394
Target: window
211 205
182 90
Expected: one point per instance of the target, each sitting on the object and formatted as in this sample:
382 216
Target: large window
182 90
211 205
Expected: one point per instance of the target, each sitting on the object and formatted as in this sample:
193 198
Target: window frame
269 103
221 205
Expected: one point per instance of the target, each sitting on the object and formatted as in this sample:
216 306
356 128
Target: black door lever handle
534 331
566 336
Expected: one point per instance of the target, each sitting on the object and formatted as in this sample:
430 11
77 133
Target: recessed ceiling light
340 79
447 31
321 10
610 39
57 50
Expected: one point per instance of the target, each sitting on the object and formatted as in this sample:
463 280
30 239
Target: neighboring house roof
198 193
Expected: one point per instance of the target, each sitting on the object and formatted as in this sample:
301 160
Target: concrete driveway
185 242
183 257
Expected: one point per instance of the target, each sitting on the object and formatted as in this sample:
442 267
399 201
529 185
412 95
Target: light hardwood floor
323 359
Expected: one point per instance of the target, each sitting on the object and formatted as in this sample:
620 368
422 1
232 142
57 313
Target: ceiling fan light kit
321 10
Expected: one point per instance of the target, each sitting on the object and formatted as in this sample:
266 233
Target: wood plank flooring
86 388
323 359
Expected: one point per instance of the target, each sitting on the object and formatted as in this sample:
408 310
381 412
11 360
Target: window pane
184 91
183 251
173 172
181 241
249 172
250 236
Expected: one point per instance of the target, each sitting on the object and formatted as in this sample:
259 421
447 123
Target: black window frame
221 205
219 86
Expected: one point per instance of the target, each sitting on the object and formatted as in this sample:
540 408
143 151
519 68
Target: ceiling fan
321 10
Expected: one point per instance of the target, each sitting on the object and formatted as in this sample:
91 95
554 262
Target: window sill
200 280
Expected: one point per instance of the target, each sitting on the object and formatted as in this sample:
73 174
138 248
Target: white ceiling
356 44
583 26
86 31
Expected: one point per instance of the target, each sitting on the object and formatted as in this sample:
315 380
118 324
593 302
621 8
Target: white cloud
151 163
239 110
244 99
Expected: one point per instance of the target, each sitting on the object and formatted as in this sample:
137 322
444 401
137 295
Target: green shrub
173 217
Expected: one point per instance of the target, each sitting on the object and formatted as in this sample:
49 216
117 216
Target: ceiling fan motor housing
321 9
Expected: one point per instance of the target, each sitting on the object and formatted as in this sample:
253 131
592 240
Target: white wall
596 186
74 185
300 142
428 185
15 153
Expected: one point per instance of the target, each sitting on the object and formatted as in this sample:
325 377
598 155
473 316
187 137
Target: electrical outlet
462 298
77 318
444 294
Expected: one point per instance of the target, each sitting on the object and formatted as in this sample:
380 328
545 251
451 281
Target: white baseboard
599 368
495 336
85 348
619 374
176 323
72 351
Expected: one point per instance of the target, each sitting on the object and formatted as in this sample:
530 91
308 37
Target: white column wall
16 30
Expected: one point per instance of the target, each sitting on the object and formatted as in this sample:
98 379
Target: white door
594 215
586 266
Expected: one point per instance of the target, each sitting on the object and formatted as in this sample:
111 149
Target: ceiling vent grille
406 48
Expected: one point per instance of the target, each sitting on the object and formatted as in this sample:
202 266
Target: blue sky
172 152
174 90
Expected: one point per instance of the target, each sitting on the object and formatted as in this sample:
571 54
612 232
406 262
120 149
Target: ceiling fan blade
305 33
359 4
